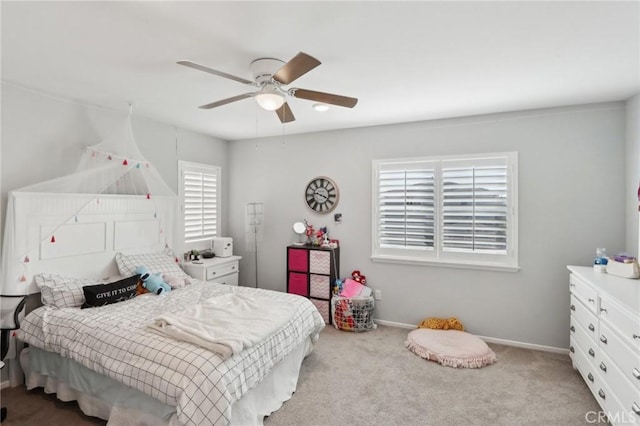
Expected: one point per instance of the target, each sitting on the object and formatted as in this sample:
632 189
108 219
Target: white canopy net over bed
113 166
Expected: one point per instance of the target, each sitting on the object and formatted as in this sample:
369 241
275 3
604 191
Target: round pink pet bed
452 348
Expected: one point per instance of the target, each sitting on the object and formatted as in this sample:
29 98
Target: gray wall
633 174
43 138
571 164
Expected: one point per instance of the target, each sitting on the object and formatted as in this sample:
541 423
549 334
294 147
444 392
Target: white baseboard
394 324
4 384
505 342
525 345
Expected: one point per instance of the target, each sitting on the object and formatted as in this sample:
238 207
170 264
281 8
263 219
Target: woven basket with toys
352 304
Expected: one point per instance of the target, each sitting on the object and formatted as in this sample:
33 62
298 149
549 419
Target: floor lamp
253 230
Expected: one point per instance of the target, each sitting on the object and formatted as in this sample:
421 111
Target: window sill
445 263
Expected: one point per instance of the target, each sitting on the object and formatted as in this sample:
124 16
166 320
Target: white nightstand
222 270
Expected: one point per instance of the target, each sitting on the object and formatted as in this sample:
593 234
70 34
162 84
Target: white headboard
79 234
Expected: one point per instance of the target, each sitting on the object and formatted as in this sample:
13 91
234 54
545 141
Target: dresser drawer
584 341
217 271
617 413
627 324
584 292
583 365
587 319
627 358
625 392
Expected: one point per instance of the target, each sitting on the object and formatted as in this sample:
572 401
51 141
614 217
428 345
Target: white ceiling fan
270 76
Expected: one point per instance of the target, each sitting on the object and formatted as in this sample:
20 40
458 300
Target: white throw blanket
226 324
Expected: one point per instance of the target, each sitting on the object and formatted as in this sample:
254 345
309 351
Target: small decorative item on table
624 266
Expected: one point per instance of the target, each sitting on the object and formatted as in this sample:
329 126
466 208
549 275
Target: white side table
224 270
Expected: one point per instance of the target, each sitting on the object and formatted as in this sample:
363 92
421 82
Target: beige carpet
372 379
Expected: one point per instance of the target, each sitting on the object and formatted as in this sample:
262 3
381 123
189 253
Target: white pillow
163 262
63 292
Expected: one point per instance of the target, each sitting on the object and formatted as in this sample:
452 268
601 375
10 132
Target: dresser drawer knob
572 285
571 349
573 307
590 377
603 367
603 309
603 339
636 408
601 393
591 300
572 328
636 373
592 353
591 327
635 336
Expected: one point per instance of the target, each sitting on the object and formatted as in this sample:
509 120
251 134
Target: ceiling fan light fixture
269 99
321 107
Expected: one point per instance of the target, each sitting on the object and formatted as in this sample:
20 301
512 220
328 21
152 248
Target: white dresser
605 340
222 270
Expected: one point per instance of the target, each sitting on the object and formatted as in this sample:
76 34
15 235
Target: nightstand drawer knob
591 300
603 367
636 373
571 349
572 328
601 393
603 309
590 377
592 353
635 336
591 327
603 339
636 408
573 307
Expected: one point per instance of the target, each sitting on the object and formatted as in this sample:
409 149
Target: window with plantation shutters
200 195
450 211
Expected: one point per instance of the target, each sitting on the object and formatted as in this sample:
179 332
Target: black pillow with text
105 294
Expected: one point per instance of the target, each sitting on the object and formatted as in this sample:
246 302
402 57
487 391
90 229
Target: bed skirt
102 397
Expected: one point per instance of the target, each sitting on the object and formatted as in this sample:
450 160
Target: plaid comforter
112 341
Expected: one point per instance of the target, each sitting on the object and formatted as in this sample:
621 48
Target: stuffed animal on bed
152 282
175 282
451 323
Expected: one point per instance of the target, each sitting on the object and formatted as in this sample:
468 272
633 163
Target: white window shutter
475 208
200 198
406 203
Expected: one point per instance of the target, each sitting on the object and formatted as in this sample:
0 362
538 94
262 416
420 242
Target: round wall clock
321 194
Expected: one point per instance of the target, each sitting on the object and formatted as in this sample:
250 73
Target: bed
108 358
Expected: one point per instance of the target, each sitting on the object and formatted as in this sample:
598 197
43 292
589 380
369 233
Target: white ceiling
405 61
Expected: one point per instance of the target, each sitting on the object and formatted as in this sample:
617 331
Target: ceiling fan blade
296 67
226 101
285 114
327 98
215 72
